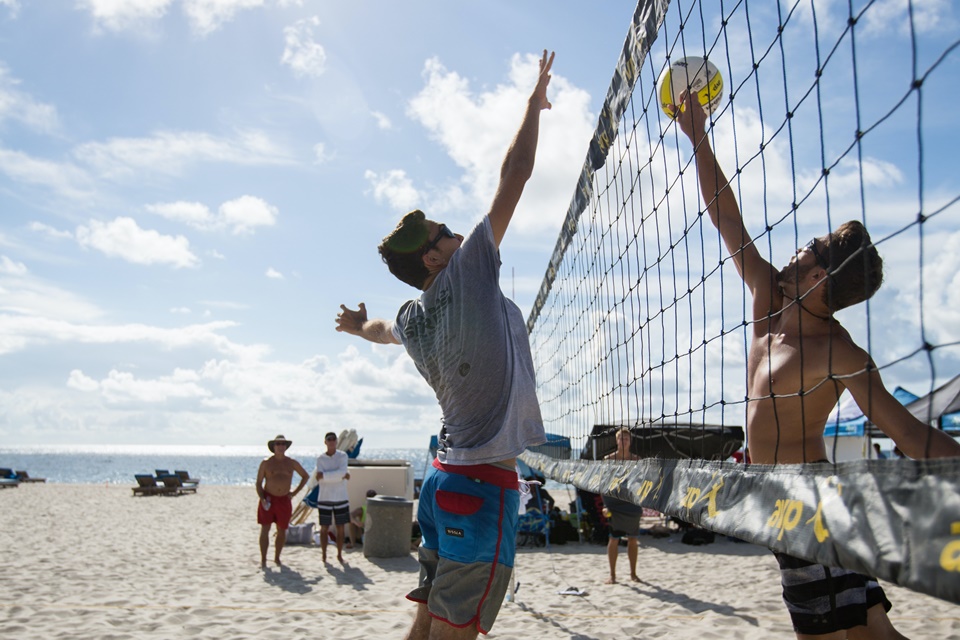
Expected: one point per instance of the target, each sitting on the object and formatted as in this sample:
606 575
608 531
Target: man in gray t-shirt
469 342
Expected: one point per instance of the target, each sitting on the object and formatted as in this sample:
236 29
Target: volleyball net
830 112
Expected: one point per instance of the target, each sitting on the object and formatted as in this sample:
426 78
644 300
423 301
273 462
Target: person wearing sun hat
276 499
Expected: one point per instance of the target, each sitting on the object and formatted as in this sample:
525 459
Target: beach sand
85 561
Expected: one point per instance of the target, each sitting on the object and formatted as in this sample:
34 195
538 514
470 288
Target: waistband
492 474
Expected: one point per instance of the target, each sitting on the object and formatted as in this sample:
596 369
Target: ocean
117 464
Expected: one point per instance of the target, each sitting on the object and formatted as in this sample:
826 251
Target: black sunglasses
442 232
812 245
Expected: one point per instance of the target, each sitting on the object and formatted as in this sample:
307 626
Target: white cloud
13 5
28 296
49 231
180 310
394 188
169 152
206 16
19 106
12 268
301 52
121 386
192 214
123 238
50 327
119 15
274 274
928 16
383 122
476 130
241 215
246 213
80 382
320 155
66 179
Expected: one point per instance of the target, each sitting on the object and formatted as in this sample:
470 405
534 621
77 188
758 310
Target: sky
189 189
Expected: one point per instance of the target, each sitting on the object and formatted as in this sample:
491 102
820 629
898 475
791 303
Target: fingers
546 62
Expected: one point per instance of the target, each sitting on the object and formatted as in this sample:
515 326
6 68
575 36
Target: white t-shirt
333 487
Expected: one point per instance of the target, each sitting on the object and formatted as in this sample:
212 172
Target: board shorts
281 507
824 599
624 517
468 518
334 513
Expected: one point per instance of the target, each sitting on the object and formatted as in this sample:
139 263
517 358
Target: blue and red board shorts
468 517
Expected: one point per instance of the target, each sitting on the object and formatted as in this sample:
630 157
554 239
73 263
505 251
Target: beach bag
697 537
300 533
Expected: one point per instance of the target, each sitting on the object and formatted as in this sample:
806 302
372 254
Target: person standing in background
276 500
332 500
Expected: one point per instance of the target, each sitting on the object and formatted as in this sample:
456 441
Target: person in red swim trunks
273 487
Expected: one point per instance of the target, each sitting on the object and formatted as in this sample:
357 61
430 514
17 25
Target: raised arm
915 438
356 323
757 273
518 164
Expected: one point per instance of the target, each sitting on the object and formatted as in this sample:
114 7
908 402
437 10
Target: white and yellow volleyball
694 74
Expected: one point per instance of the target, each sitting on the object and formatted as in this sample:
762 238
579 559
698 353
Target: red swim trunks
281 507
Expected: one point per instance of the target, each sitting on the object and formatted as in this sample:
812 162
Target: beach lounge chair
186 479
161 472
23 476
173 483
8 479
147 486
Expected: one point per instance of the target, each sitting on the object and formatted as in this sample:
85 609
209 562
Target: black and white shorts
824 599
334 513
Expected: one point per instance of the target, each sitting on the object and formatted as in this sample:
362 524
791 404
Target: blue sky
190 188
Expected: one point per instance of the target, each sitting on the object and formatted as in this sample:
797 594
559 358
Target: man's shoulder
846 356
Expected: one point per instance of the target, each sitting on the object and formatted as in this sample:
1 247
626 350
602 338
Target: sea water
117 464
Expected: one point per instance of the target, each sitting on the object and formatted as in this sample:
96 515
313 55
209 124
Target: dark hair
401 249
330 434
856 268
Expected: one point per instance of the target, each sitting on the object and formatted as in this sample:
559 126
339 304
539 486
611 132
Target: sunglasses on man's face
442 232
812 245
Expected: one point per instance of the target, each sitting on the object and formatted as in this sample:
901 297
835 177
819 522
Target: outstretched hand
692 119
539 97
350 321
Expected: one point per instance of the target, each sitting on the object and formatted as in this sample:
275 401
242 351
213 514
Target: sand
85 561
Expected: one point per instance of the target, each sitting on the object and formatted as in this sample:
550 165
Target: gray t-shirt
469 342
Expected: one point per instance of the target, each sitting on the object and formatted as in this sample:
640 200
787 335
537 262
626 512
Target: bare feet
324 556
263 563
611 580
340 559
635 577
277 561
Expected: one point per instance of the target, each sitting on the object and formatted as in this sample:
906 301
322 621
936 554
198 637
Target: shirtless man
800 361
624 516
276 499
470 343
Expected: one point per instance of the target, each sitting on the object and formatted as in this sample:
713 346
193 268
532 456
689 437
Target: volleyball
699 75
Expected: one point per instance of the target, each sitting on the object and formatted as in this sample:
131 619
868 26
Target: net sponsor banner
898 520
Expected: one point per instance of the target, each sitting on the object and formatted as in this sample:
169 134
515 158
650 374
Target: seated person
357 519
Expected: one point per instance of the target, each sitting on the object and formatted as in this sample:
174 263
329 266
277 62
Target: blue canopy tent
848 431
